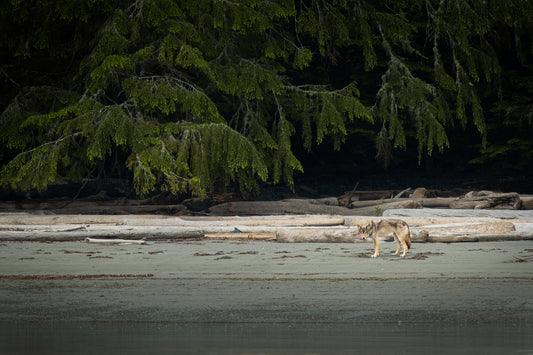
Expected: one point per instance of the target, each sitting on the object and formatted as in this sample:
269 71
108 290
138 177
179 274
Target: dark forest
190 97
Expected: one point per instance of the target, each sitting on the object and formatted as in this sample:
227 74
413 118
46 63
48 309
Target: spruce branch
51 143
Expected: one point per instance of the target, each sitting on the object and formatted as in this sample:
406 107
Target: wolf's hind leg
404 244
397 240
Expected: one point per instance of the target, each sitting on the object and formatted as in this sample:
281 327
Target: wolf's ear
373 225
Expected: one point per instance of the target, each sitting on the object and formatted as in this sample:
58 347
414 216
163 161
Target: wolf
385 228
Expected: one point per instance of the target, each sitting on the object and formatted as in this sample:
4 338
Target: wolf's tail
408 240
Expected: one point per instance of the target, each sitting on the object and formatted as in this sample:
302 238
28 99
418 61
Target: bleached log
419 192
480 237
115 241
455 213
45 227
458 227
374 210
424 202
436 202
242 235
26 219
269 220
333 235
401 193
318 235
419 236
485 227
119 232
487 199
288 206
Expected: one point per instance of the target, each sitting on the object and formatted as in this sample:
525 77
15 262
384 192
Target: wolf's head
367 230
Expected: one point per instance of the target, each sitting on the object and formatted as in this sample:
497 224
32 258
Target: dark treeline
184 96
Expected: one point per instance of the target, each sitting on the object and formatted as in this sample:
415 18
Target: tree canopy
184 96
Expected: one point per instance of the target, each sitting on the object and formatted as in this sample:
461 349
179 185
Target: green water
252 338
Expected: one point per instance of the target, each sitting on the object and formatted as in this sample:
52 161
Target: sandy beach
265 297
261 281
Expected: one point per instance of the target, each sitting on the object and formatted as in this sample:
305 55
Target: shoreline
229 282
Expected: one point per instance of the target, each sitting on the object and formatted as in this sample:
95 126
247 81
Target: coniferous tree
190 95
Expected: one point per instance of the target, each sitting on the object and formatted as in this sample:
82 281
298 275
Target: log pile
288 229
375 203
487 199
433 216
351 203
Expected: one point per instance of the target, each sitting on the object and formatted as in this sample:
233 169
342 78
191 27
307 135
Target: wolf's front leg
376 247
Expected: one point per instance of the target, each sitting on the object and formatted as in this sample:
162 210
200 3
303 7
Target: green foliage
401 92
329 111
191 96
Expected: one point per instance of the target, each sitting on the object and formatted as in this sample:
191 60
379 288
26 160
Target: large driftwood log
269 220
356 195
115 241
27 219
461 229
289 206
242 235
480 237
374 210
318 235
436 202
333 235
424 202
454 213
467 228
526 202
487 199
113 232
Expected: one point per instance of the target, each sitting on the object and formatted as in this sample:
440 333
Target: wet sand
267 282
231 297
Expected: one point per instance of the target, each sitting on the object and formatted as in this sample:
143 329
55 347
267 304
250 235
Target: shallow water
252 338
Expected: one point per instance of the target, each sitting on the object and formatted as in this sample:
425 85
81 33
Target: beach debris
116 241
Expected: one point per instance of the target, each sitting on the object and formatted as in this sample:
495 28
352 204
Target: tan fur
385 228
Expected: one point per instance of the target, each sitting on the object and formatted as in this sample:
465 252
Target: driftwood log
242 235
288 206
480 237
115 241
426 225
302 206
352 203
488 199
334 235
319 235
67 221
458 213
378 209
526 202
269 220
